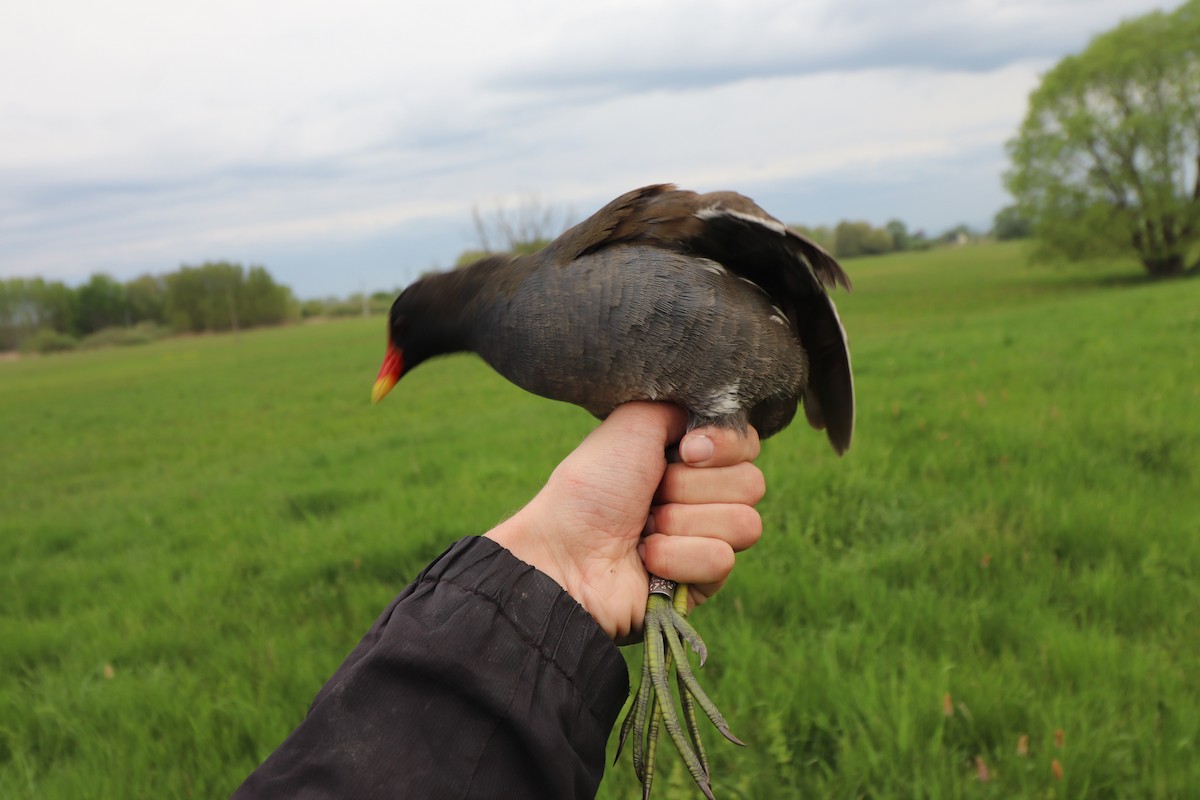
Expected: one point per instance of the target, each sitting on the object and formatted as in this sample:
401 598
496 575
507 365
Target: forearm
483 678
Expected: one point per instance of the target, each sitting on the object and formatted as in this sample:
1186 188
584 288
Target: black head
424 321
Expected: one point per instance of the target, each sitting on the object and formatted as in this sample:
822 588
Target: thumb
637 435
627 451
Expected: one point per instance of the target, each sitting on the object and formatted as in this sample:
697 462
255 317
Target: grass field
195 532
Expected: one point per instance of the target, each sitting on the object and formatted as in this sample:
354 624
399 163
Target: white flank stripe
752 283
717 211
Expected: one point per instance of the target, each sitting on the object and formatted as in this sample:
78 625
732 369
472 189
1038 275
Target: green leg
654 705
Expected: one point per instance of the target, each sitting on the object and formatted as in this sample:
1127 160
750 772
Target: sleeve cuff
544 616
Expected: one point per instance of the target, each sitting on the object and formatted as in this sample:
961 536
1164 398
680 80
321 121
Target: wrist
522 536
529 536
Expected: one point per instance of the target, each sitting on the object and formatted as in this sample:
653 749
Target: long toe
654 706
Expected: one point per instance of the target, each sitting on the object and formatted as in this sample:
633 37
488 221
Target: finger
629 446
718 447
687 559
741 483
737 525
658 423
698 593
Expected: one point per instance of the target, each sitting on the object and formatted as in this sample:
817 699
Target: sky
343 145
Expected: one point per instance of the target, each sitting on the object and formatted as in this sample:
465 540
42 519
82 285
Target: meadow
995 594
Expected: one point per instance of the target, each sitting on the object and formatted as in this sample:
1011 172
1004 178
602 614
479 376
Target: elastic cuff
545 616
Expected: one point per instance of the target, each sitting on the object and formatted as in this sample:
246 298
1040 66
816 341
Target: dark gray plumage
702 300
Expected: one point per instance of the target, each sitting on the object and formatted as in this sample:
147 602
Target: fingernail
695 449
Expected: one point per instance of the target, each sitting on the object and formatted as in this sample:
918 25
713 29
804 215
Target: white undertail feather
725 401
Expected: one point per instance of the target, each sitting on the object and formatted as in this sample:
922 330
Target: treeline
531 226
355 305
854 238
849 239
40 315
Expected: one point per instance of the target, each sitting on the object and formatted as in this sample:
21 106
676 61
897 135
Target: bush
312 308
142 333
378 304
852 239
48 341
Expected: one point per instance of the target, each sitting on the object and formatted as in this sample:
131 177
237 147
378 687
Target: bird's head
423 322
400 350
392 369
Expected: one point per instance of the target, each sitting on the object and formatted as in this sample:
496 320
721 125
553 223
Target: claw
724 731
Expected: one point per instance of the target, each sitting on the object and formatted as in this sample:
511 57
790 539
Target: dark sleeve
483 678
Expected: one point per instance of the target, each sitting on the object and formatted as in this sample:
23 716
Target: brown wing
625 219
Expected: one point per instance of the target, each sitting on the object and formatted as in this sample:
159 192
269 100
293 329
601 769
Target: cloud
686 46
141 136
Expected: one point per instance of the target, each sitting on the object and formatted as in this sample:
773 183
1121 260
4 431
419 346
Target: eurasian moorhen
703 300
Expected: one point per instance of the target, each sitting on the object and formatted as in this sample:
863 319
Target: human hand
614 508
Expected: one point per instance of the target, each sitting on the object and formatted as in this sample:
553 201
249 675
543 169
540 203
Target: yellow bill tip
389 373
381 388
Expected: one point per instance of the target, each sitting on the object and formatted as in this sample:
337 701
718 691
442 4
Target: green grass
195 532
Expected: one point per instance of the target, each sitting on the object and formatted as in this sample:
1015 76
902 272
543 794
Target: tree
822 235
101 304
1107 160
860 239
899 233
196 296
1010 223
264 301
31 305
522 228
146 297
218 296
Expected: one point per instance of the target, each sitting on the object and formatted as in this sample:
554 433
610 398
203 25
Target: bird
702 300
